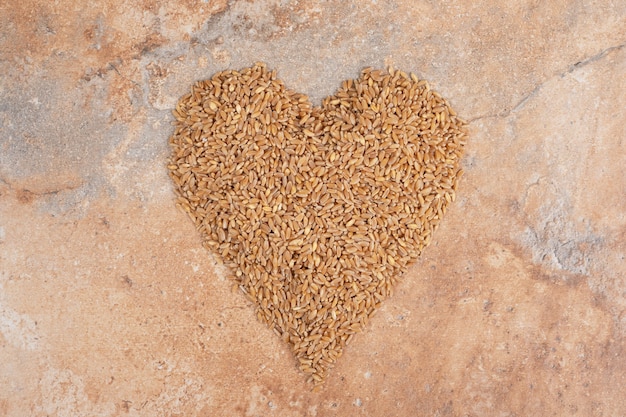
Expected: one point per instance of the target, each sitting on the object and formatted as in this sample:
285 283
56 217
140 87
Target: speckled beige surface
110 306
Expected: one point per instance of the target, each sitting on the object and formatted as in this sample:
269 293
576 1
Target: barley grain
316 210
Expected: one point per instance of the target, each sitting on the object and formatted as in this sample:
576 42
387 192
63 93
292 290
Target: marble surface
110 306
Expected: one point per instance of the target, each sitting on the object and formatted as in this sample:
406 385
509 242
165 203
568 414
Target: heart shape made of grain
316 210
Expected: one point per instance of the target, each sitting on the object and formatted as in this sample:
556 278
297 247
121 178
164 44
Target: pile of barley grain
317 211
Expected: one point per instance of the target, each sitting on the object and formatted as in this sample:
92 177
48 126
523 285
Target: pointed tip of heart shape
317 211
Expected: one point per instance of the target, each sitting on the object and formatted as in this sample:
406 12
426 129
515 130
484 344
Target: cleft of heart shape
316 210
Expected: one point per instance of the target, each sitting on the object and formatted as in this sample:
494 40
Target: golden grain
316 210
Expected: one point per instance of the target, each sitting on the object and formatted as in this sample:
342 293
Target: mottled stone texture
110 306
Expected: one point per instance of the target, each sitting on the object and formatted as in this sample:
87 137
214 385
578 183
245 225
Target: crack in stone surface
571 68
54 191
